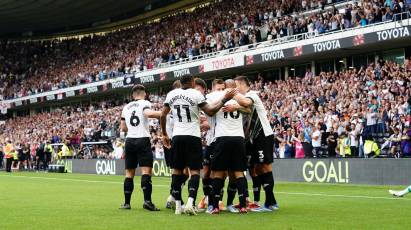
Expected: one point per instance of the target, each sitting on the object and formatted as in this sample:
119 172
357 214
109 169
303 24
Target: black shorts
229 154
187 152
208 154
168 156
138 153
261 150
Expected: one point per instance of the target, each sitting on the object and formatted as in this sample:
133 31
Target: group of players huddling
239 138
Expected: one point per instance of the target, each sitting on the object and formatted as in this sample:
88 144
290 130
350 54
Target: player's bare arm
211 109
163 121
243 101
148 113
123 126
235 107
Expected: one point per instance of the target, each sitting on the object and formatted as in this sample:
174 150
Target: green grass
77 201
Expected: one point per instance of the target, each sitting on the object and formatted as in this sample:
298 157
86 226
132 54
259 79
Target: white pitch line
343 196
161 185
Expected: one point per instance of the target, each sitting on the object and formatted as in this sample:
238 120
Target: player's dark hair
200 82
243 79
138 89
186 79
218 82
176 84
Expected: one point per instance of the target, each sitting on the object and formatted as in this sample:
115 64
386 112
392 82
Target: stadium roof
33 17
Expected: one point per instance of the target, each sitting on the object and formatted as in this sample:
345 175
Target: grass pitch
78 201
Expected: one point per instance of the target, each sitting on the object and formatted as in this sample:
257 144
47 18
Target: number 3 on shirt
187 109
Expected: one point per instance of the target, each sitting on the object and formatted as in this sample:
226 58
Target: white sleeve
209 98
199 98
147 105
167 100
252 95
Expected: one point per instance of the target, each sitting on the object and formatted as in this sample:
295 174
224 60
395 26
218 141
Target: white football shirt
137 123
229 124
259 120
184 104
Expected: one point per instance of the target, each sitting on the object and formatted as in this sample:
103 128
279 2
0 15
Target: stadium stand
32 67
347 105
375 104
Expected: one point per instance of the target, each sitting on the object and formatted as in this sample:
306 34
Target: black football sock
246 194
193 185
128 189
178 182
231 190
173 178
242 188
206 186
211 195
218 184
267 180
222 193
146 186
256 188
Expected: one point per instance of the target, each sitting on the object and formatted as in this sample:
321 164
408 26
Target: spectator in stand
370 102
316 140
32 67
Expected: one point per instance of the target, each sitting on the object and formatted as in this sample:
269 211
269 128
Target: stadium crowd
32 67
352 113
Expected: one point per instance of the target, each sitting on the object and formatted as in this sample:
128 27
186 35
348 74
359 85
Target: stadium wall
342 171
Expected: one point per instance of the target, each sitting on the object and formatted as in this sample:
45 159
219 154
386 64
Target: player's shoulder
251 93
214 94
136 103
145 104
173 92
193 91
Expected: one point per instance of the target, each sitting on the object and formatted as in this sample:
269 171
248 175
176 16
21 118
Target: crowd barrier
327 170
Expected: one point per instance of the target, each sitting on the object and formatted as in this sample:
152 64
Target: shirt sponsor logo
106 167
326 46
393 33
181 72
272 55
147 79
